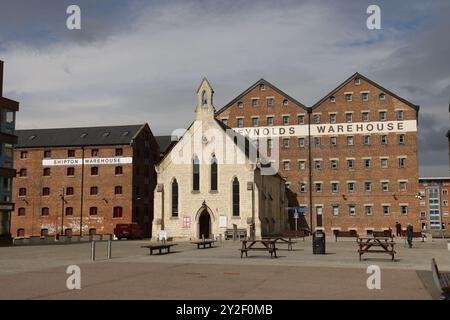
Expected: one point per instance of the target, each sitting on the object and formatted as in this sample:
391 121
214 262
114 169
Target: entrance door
204 225
319 211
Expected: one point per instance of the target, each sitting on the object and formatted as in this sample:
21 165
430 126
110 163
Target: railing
108 248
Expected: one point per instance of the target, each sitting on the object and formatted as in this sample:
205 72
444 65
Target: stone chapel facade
212 179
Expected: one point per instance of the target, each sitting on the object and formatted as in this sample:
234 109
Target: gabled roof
256 84
82 136
358 75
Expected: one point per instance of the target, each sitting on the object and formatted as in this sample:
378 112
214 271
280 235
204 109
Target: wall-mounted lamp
104 199
343 196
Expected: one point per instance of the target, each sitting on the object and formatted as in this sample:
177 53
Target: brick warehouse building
86 179
8 109
350 161
434 202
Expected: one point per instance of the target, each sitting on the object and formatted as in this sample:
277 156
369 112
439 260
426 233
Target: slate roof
83 136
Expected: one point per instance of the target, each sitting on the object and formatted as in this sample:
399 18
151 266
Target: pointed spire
205 93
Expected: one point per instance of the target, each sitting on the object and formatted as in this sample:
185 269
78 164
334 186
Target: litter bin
319 242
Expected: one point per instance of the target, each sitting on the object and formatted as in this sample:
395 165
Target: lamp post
62 211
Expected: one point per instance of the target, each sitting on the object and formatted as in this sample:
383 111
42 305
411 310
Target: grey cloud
143 62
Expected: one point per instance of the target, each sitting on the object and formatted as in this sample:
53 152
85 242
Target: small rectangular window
349 97
119 152
365 96
383 116
301 119
71 153
333 141
333 118
316 118
270 121
349 117
286 120
365 117
255 103
301 142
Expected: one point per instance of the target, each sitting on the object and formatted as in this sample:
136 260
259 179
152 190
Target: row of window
70 191
70 172
368 210
71 153
351 186
350 141
93 211
349 118
350 163
235 192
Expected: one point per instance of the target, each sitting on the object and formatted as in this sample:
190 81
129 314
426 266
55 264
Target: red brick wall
375 150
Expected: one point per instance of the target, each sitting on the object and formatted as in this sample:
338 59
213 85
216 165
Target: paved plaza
39 272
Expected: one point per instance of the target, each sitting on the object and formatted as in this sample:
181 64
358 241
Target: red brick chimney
1 78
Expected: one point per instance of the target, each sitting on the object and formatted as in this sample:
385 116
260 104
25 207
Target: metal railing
108 248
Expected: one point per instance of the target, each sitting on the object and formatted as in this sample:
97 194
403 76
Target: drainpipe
82 192
310 170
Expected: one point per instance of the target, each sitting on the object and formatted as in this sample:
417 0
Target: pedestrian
409 234
398 229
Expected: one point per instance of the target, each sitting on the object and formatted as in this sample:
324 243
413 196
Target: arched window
204 98
175 198
195 174
214 173
236 197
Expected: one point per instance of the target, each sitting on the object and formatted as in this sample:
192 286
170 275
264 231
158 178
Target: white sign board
87 161
330 129
162 235
223 222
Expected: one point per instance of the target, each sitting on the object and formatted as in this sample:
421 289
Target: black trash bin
319 242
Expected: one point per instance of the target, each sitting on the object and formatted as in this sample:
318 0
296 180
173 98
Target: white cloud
150 71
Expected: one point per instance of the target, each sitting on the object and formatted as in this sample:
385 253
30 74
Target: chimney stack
1 78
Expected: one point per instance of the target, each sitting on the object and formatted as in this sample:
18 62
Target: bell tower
205 109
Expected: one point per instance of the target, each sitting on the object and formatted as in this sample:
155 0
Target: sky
141 61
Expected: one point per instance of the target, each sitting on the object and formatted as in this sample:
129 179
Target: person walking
398 229
409 234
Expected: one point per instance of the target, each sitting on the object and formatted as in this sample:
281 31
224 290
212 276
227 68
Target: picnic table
204 243
251 245
159 247
289 241
385 245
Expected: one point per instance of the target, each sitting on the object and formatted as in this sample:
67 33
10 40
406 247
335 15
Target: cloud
142 62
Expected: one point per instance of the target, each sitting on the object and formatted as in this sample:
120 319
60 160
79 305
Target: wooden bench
159 247
268 245
302 233
385 244
240 234
384 233
441 280
204 243
281 239
345 234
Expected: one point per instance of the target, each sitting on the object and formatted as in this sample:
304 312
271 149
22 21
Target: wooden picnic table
289 241
204 243
385 245
267 245
159 247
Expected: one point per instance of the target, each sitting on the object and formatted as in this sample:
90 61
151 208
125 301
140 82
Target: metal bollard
109 249
93 250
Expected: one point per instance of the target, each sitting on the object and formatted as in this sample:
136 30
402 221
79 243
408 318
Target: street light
63 201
